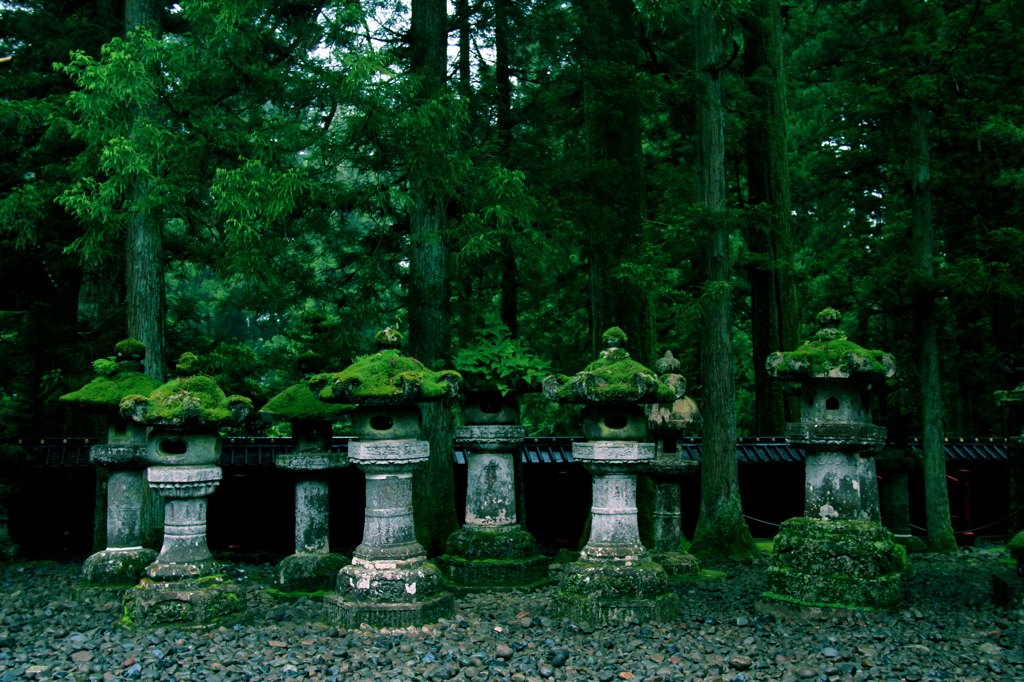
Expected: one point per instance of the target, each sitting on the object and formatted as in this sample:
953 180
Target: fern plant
496 361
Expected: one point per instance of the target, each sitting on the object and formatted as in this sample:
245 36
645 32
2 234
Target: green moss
295 596
387 377
298 403
104 393
830 356
1016 543
130 348
828 605
190 400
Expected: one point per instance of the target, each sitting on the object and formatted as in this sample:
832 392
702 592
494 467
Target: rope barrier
962 532
767 523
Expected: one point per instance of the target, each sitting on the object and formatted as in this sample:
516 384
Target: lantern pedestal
615 579
389 584
312 568
492 551
120 565
183 586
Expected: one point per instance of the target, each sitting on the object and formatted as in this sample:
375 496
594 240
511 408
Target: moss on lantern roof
114 380
188 401
386 378
614 378
830 355
298 403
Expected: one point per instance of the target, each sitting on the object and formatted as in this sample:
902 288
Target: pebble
951 627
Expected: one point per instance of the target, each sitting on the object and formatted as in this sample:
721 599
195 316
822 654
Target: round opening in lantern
173 446
381 422
616 421
832 403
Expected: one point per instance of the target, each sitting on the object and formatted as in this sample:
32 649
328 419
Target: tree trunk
721 528
145 302
503 78
769 236
940 529
429 301
615 177
144 270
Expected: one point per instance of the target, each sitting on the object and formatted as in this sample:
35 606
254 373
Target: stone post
10 455
666 424
389 583
491 551
1008 586
614 579
120 565
312 568
184 586
837 553
895 467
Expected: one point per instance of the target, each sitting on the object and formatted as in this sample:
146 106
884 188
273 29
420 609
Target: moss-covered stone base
309 572
351 614
580 609
677 564
836 564
478 545
120 568
464 576
196 604
600 594
913 544
1008 590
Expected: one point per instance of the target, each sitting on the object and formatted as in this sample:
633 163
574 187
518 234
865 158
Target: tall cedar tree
721 528
144 267
769 233
429 299
615 173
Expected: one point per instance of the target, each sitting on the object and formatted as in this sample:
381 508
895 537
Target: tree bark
144 268
940 528
429 298
769 237
721 528
503 81
614 223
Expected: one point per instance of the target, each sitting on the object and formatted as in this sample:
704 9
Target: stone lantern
312 567
120 565
666 424
492 550
1008 587
837 553
389 583
614 579
184 586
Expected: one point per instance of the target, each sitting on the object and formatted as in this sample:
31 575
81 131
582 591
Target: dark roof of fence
74 452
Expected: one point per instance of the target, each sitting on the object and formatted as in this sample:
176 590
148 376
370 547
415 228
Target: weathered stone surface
677 564
386 422
311 461
834 436
309 572
509 543
176 448
465 575
613 452
185 554
605 594
615 422
200 603
848 564
1008 590
352 614
388 452
116 567
490 490
490 408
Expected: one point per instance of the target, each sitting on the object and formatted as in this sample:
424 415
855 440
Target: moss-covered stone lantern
666 424
120 565
1008 587
312 567
389 583
184 586
492 550
615 578
837 554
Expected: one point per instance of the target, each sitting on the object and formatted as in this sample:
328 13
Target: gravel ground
948 631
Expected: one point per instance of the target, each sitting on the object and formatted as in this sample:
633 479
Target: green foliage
496 361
